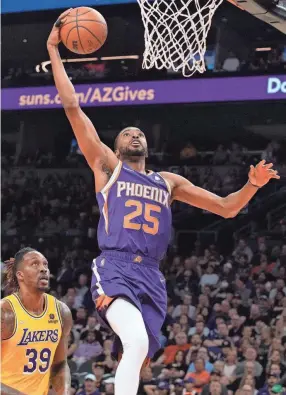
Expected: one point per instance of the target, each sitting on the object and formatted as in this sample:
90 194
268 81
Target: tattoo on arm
7 320
60 377
60 373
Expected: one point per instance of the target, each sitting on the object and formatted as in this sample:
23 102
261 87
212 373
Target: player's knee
138 341
143 344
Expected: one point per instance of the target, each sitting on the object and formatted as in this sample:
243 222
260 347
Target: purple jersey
135 213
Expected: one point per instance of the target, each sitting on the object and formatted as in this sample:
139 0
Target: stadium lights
44 64
262 49
120 57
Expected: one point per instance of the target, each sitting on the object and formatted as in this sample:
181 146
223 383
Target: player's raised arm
60 373
229 206
96 153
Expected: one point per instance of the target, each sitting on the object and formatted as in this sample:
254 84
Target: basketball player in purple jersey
134 229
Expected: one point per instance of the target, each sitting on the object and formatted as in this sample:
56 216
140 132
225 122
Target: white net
176 33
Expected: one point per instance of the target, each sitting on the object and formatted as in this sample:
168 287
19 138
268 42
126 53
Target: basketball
84 30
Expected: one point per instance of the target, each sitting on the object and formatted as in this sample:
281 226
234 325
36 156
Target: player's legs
127 322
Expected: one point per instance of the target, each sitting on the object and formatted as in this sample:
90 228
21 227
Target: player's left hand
262 173
54 37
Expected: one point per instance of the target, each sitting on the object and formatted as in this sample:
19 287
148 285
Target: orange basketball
84 30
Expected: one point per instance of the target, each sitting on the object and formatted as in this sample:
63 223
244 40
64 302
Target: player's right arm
100 158
7 320
7 330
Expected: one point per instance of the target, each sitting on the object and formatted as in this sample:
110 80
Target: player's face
132 142
34 272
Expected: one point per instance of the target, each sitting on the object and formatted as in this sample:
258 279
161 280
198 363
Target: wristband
256 186
58 23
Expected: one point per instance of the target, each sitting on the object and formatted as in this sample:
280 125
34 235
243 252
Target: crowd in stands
234 154
272 61
225 329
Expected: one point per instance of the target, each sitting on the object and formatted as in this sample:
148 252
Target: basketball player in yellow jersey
34 330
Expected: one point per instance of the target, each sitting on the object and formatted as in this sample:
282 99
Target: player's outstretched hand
262 173
54 37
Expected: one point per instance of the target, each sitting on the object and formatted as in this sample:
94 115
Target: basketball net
176 33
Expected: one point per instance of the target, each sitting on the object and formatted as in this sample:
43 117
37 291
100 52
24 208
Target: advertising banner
152 92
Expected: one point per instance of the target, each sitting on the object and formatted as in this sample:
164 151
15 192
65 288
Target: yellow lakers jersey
28 354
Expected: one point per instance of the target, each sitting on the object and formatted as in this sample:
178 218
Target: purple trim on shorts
127 257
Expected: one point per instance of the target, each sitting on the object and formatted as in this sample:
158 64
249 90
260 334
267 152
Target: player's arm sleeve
60 373
228 207
8 320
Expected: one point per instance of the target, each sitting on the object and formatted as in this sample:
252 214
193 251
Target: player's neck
33 302
136 163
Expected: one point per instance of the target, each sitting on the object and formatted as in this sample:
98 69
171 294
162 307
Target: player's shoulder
8 319
173 179
65 315
5 304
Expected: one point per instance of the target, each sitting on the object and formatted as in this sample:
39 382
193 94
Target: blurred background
225 332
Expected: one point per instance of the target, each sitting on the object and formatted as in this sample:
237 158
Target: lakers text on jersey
28 354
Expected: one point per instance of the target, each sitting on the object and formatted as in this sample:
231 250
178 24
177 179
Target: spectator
230 363
199 329
109 386
105 358
270 382
279 287
210 277
236 328
215 386
148 382
98 370
170 352
88 348
187 301
242 290
89 385
243 248
176 369
249 356
203 354
80 318
188 153
200 375
196 342
231 63
81 290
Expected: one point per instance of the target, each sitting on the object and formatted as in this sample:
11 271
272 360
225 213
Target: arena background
225 278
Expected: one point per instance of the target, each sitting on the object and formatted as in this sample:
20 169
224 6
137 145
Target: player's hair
12 266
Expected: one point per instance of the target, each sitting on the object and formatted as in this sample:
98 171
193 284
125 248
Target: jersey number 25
145 209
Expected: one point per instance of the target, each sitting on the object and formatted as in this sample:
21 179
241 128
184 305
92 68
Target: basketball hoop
176 33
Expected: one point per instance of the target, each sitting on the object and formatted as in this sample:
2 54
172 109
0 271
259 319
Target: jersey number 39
139 209
37 360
